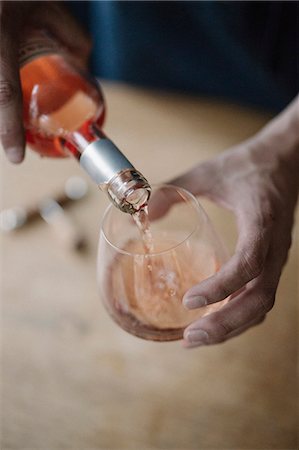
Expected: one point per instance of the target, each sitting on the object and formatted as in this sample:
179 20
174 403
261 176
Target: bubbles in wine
149 285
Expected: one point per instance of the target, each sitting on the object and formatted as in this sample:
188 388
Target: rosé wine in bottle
63 113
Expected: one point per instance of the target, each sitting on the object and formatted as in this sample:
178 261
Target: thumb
199 181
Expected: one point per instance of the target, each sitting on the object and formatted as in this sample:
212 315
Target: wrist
280 137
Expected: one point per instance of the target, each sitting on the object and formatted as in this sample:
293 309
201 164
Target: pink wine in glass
144 271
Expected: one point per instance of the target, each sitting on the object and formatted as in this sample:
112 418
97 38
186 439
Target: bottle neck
129 191
76 142
109 168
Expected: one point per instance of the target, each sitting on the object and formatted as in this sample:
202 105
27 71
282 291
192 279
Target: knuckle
268 214
6 129
221 329
223 285
224 290
251 264
266 302
11 134
224 328
7 93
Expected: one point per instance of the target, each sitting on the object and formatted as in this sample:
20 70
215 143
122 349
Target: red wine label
37 44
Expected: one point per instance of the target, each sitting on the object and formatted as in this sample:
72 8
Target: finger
11 113
241 311
56 19
164 198
201 179
245 265
189 344
246 327
198 181
232 319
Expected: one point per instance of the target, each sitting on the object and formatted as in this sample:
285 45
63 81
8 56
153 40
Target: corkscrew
50 210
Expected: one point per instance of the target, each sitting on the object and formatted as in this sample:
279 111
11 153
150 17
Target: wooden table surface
71 379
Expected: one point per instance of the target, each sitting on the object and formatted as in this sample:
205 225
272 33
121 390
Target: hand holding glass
143 290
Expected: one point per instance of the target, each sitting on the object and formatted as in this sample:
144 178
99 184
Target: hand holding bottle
17 19
257 180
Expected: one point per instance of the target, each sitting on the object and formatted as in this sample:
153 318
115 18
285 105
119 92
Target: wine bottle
63 113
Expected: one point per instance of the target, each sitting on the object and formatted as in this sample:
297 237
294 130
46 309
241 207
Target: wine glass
142 290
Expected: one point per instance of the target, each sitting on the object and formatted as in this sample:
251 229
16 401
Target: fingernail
199 337
188 346
15 154
194 302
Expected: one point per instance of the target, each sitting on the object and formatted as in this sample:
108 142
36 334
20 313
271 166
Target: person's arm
258 180
17 18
